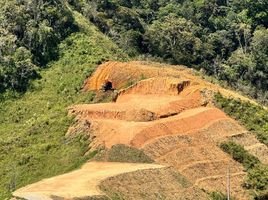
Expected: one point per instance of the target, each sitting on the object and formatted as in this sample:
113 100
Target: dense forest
30 31
224 38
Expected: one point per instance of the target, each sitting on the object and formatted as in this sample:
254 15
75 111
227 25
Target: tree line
227 39
224 38
30 31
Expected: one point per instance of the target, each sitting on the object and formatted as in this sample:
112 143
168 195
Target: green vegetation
47 50
226 39
253 117
30 32
33 125
123 153
257 179
240 154
218 196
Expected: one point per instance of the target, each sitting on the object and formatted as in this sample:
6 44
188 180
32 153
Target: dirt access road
81 183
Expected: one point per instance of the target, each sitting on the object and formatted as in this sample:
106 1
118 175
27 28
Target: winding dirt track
80 183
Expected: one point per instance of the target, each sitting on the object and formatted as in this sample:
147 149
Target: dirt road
81 183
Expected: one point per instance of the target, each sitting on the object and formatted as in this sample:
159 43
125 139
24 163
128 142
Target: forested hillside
33 125
225 38
49 47
29 34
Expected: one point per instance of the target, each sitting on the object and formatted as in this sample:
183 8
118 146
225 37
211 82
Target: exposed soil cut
125 74
167 112
164 114
152 184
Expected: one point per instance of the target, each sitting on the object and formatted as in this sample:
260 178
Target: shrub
257 178
240 154
253 117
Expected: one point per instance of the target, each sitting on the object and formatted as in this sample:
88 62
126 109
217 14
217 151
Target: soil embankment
166 113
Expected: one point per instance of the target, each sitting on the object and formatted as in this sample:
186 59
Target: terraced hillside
170 117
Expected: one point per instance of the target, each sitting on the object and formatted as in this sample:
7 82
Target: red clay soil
168 113
131 108
111 132
156 107
125 74
161 97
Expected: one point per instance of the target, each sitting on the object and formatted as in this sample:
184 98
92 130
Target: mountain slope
166 118
32 126
170 116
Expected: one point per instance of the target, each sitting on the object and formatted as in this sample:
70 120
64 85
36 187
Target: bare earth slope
106 180
152 184
166 112
125 74
80 183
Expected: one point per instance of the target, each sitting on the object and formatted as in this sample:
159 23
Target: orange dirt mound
131 108
125 74
111 132
157 86
165 111
161 97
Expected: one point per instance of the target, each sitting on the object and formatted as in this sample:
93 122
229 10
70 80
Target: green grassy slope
255 119
32 128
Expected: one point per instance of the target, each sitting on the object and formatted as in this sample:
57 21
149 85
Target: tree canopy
225 38
30 31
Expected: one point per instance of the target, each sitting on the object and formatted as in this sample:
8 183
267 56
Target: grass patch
240 154
218 196
257 179
33 145
123 153
253 117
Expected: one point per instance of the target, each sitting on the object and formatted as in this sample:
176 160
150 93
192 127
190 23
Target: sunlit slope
33 126
168 112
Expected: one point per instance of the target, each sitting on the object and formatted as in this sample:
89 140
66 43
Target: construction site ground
168 113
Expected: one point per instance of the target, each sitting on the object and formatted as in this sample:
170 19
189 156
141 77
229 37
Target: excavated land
125 74
152 184
167 113
109 180
81 183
